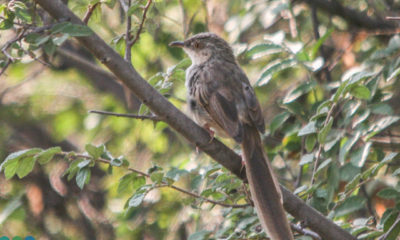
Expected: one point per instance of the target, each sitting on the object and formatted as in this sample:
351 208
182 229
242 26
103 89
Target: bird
221 99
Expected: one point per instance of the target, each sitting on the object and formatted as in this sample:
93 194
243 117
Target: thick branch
352 16
185 126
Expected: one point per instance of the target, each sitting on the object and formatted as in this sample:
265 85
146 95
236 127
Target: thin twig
318 156
145 10
127 115
164 184
89 12
394 227
305 232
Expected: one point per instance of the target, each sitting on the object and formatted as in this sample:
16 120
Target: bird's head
203 46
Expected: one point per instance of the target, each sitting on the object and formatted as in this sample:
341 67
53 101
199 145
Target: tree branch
185 126
352 16
127 115
89 12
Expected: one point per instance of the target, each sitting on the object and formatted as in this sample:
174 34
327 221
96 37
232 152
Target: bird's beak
177 44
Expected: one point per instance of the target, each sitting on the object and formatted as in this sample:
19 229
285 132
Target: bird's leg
211 132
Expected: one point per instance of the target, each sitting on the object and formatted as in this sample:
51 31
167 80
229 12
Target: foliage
330 102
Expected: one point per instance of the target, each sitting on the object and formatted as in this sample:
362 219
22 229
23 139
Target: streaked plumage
220 97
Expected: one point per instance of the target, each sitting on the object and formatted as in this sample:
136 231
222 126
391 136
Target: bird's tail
264 187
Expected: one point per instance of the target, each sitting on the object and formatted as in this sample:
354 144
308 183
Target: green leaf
200 235
388 193
360 92
370 235
118 161
311 140
353 183
126 182
325 131
137 197
84 163
306 159
25 166
176 173
93 151
263 49
381 124
46 155
361 157
299 91
321 40
18 155
133 8
273 68
308 129
11 168
157 177
278 121
82 177
350 205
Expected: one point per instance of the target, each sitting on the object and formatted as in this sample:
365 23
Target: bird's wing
219 102
253 106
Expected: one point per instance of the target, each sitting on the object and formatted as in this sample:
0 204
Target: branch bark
352 16
185 126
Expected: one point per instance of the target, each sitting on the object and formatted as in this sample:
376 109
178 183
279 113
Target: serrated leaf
308 129
157 177
350 205
360 92
278 121
25 166
94 152
325 131
82 177
18 155
46 155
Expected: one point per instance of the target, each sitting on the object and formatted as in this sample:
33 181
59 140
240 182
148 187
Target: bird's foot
211 132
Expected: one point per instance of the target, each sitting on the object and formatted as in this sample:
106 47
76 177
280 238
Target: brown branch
185 126
145 10
305 232
127 115
352 16
128 44
89 12
164 184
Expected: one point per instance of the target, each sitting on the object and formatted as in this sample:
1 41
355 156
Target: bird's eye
196 44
